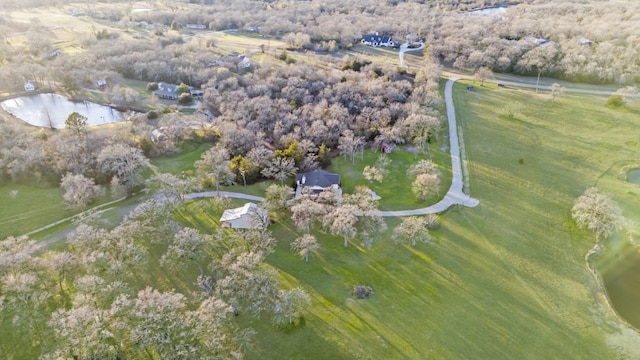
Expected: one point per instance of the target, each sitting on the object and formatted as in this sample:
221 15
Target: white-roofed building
249 216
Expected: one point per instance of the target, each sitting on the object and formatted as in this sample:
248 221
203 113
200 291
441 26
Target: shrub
152 115
152 86
615 101
185 98
362 291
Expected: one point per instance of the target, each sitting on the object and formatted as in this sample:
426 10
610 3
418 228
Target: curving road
455 195
404 48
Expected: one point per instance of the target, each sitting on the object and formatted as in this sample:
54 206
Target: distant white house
584 41
240 61
29 86
378 40
249 216
158 135
196 26
534 40
101 83
170 91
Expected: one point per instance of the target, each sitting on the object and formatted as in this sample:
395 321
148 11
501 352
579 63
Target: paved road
528 82
455 195
234 195
404 48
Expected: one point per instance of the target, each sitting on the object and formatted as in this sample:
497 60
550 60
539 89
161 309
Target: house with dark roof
316 181
170 91
378 40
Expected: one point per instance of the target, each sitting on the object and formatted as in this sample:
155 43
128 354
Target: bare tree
541 58
290 303
342 221
483 74
425 184
215 163
188 244
122 161
79 191
306 212
556 90
597 212
280 168
349 144
305 245
174 187
419 128
411 230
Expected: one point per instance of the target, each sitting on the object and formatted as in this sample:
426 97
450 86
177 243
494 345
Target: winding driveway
455 195
404 48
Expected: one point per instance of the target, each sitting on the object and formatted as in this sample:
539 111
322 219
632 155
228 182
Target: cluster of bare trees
91 301
302 111
583 40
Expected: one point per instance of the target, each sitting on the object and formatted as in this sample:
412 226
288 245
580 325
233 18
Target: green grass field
395 188
504 280
181 162
25 208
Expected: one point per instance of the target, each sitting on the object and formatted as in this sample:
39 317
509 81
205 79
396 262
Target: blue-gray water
51 110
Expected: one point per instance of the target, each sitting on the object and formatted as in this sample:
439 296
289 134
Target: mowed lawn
505 280
24 208
395 189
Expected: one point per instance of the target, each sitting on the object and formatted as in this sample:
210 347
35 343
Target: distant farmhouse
584 41
316 181
29 86
249 216
240 61
534 40
378 40
196 26
170 91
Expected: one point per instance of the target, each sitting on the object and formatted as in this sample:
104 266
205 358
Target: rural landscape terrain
399 179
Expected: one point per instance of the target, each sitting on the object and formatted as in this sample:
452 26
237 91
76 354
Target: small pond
51 110
622 280
633 176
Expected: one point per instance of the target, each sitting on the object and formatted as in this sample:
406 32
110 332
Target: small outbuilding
29 86
249 216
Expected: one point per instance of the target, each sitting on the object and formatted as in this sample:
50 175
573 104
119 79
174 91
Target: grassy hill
507 279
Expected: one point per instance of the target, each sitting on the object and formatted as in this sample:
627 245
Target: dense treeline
587 41
94 300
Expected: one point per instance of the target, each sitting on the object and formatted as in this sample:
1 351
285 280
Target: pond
51 110
622 280
633 176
